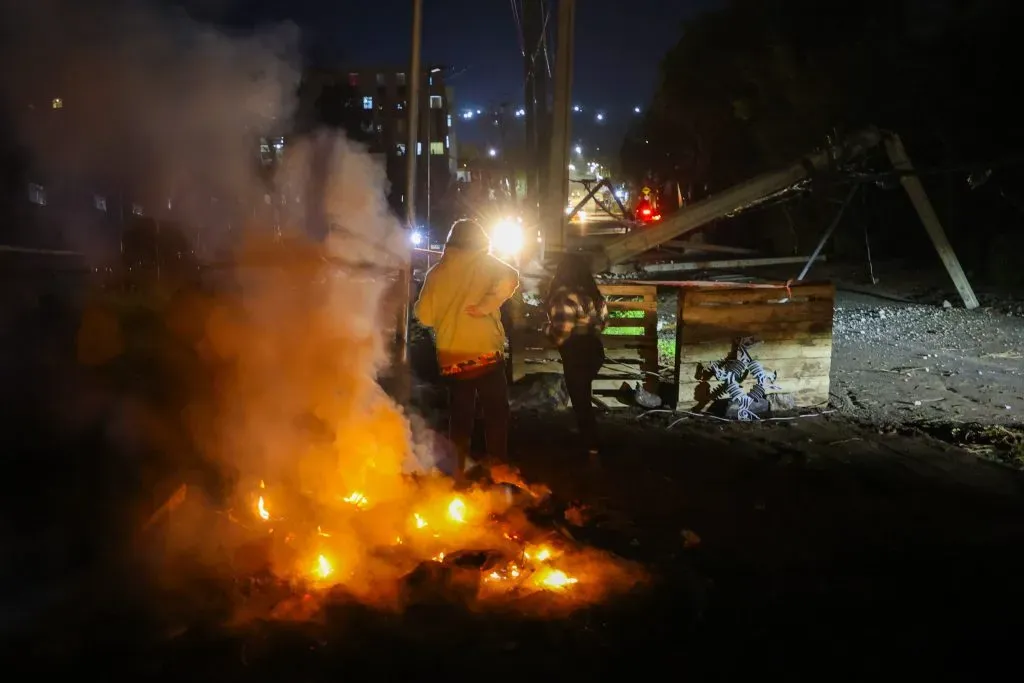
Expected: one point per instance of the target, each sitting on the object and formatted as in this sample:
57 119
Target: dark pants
492 389
582 358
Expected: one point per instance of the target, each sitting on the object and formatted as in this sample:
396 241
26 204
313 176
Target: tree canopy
759 83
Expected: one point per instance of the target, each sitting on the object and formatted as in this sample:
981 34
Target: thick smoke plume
171 111
277 357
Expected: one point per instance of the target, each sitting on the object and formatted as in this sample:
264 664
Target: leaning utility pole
402 372
557 195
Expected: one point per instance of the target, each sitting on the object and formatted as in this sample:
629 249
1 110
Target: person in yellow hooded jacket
461 301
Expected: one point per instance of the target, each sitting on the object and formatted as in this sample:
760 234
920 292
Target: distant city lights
579 149
520 112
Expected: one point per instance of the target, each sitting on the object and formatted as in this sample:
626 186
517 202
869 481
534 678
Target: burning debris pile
730 374
429 543
330 493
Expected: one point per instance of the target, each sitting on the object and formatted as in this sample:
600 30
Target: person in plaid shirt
577 315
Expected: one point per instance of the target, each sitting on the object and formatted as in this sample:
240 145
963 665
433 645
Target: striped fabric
572 312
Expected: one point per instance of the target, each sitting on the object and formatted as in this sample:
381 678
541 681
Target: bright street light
416 238
507 237
579 149
492 152
600 117
636 110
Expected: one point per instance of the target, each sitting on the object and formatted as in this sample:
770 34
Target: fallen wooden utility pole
690 245
746 194
717 206
731 263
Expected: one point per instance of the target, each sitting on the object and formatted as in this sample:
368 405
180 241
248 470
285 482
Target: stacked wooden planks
792 328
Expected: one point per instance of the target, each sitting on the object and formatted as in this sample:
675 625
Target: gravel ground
908 362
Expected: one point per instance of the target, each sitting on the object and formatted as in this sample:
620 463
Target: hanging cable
517 15
544 35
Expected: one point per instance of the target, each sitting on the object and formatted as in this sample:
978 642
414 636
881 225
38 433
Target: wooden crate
794 331
533 353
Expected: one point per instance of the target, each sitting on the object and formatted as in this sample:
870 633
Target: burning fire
441 526
323 567
457 511
333 504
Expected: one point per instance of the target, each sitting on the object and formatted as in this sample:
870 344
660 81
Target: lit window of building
58 103
400 78
435 102
447 142
400 149
137 209
99 202
436 148
400 106
37 194
419 148
367 103
449 120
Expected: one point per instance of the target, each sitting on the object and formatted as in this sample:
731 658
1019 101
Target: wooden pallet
634 352
794 331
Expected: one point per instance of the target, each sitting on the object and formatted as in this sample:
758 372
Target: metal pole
828 233
403 384
428 154
557 195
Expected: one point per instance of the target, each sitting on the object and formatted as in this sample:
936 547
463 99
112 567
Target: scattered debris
730 373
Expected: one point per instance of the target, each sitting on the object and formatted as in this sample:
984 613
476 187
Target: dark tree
759 83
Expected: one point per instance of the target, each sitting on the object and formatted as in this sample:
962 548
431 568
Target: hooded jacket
466 278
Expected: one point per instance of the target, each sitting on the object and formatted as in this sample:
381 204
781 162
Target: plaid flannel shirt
570 311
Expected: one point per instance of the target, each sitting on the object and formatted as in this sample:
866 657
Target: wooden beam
690 245
734 263
919 198
698 214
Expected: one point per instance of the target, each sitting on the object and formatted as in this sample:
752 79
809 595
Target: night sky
619 44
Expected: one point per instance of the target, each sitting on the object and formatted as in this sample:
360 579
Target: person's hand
474 311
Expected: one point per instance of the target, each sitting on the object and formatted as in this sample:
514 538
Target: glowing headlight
416 238
507 238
